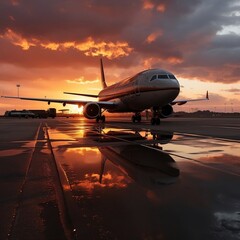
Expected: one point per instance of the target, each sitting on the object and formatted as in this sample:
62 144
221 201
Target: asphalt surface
75 179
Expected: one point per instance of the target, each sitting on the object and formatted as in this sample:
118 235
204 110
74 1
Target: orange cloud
81 81
161 8
147 4
153 36
89 46
149 62
17 39
174 60
107 49
51 46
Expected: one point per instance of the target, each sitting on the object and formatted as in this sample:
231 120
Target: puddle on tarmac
11 152
146 183
17 147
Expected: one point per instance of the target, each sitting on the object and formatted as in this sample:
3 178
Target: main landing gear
100 119
136 118
155 119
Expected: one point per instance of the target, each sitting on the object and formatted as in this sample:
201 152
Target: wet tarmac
75 179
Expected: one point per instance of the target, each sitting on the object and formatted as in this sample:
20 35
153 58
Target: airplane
154 89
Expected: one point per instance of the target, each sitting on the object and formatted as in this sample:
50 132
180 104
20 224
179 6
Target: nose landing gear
155 119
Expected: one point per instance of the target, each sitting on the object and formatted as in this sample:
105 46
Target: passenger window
162 76
171 76
153 77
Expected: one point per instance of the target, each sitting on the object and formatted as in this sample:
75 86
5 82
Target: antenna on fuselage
104 85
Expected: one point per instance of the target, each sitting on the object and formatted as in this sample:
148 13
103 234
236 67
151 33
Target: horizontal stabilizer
82 94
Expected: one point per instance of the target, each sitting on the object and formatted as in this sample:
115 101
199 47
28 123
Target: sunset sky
53 46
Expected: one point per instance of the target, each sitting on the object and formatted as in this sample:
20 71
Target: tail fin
104 85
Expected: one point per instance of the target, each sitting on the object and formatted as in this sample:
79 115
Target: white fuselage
150 88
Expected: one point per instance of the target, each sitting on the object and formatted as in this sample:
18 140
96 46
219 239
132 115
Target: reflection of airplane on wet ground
140 156
144 164
153 89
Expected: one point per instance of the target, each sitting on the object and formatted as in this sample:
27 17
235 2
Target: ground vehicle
37 113
20 114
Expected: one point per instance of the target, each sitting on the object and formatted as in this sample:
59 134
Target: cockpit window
163 76
153 78
172 77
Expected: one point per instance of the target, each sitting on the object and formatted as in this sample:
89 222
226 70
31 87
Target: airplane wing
181 102
81 94
102 104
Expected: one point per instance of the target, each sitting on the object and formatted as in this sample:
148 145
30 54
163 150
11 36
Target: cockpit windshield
162 76
153 77
171 76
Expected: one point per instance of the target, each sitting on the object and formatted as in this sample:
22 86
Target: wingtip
10 97
207 96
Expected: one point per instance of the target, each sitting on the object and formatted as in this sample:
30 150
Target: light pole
18 86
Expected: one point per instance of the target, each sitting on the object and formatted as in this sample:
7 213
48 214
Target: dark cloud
235 91
181 36
67 20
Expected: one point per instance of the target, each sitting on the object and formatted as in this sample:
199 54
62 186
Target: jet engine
91 110
166 111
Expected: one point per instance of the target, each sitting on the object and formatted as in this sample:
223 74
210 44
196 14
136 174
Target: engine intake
166 111
91 110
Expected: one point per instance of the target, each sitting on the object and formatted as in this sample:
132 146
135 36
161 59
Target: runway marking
66 209
207 137
238 128
19 196
230 127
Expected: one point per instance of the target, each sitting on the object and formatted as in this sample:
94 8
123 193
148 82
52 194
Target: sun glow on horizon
75 109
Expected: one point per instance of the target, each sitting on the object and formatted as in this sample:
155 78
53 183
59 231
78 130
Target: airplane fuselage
154 87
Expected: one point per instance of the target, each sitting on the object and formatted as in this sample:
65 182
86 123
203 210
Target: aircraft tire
100 118
153 121
158 121
103 118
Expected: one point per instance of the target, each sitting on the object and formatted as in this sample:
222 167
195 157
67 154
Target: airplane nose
177 84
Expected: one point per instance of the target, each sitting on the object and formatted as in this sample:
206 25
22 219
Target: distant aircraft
64 110
153 89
